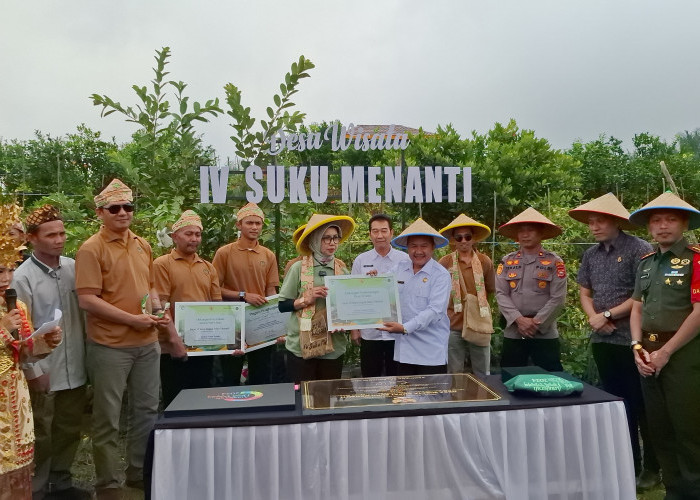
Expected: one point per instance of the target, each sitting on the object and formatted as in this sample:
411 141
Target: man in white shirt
376 346
424 289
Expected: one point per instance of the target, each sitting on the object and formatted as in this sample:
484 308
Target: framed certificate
361 301
263 324
208 328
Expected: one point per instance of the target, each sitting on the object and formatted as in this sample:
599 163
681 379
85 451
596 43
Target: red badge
561 269
695 280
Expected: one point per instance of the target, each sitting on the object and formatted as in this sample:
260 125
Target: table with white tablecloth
533 449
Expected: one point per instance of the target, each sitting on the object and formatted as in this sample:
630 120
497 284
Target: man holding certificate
377 347
424 289
248 273
183 276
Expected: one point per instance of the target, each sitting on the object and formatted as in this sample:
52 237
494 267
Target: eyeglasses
115 209
329 239
465 237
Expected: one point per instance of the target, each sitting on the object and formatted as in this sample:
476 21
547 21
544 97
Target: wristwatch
241 295
607 314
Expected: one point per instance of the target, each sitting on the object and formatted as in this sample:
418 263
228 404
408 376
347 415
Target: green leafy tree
252 147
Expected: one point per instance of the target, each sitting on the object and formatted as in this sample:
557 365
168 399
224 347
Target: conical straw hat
479 230
530 216
419 228
346 224
666 201
297 233
607 204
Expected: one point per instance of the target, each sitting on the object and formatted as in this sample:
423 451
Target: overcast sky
567 69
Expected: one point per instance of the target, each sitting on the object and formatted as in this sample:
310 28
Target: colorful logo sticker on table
237 396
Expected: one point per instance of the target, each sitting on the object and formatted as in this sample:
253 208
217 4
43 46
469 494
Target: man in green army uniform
664 324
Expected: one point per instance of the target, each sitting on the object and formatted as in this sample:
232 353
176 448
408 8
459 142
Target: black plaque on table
244 398
396 393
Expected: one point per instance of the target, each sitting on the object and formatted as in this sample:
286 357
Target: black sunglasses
115 209
465 237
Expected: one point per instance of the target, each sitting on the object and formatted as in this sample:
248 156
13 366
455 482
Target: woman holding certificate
316 353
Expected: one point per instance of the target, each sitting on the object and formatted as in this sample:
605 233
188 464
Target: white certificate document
356 302
210 327
264 324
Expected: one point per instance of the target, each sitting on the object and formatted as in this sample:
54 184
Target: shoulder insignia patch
647 255
694 248
561 269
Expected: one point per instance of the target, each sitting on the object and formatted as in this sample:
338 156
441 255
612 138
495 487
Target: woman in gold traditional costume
16 423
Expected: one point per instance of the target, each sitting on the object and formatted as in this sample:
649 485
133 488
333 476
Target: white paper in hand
49 325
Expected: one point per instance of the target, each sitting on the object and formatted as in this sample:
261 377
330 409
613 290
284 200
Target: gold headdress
9 251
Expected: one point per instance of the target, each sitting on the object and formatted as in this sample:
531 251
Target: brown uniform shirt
119 272
456 318
249 270
179 280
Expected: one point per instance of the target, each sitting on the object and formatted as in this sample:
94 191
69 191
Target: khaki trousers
113 371
57 419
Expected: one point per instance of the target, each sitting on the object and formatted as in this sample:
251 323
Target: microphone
11 301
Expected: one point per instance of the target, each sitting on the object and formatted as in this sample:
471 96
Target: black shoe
137 484
648 479
71 493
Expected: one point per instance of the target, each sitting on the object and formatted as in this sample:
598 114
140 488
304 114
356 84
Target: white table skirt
572 452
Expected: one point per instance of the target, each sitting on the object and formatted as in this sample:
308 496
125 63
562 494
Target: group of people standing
640 304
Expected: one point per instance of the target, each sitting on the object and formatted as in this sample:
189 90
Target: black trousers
410 369
299 369
377 358
672 403
176 374
545 353
619 376
259 367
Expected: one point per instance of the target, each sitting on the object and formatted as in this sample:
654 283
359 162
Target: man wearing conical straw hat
473 280
664 323
424 289
183 276
113 279
248 273
377 347
606 282
531 291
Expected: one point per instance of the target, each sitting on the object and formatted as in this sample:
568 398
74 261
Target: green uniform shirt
291 289
663 286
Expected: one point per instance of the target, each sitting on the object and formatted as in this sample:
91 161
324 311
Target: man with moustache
424 289
248 273
114 285
664 323
377 347
606 282
46 282
183 276
531 291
